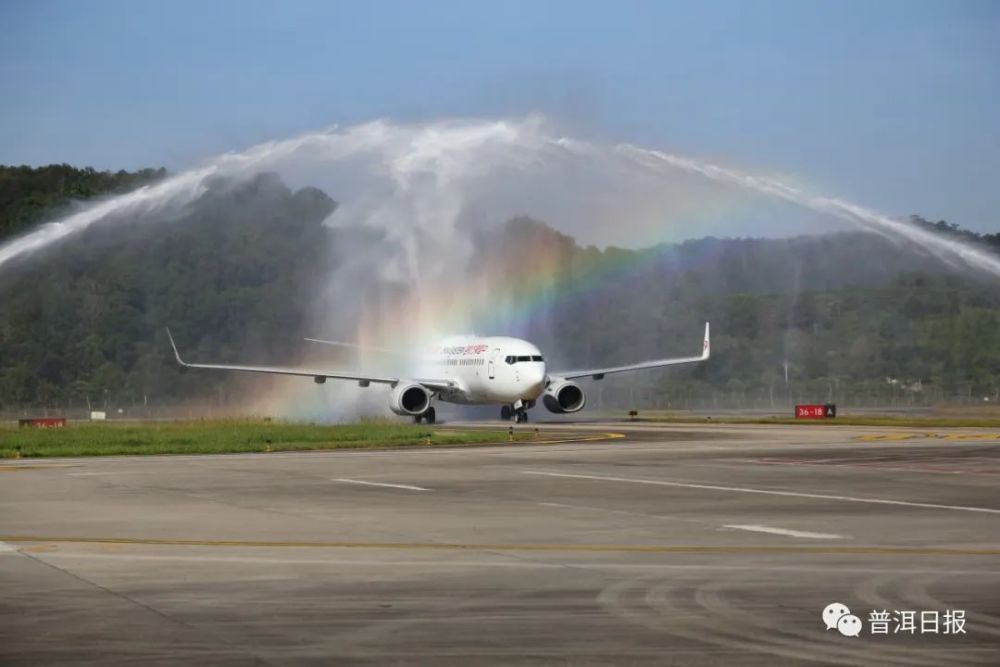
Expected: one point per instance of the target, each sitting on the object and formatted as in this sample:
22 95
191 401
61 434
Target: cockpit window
520 359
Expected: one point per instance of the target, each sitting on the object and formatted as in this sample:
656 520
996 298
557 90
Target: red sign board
827 411
43 422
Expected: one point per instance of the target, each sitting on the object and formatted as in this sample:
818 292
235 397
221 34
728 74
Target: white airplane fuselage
487 370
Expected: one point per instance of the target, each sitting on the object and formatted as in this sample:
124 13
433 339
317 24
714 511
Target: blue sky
893 104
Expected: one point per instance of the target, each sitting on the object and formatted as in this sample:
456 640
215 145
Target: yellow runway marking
40 549
586 438
566 547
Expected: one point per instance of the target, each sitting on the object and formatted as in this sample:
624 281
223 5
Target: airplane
468 370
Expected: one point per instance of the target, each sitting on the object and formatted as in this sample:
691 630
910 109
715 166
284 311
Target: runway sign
826 411
42 422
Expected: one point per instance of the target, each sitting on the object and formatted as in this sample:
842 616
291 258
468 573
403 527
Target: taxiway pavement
681 544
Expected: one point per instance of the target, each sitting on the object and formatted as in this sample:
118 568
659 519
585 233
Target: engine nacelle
563 397
410 399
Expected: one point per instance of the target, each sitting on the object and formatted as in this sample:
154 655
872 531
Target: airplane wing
599 373
319 375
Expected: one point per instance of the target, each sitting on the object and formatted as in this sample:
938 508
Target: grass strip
226 437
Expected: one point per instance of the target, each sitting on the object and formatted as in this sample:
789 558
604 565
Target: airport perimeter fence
701 402
112 413
602 399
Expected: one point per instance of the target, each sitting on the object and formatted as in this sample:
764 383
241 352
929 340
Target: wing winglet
177 354
706 350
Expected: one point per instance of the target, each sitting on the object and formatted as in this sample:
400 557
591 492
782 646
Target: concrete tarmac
688 544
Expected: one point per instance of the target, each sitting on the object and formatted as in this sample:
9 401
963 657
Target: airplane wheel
505 413
520 417
417 418
430 415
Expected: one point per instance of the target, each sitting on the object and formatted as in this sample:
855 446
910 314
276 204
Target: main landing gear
428 415
518 414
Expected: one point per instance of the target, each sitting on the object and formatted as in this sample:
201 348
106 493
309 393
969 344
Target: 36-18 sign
826 411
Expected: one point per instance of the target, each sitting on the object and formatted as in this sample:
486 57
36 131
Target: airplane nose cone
536 378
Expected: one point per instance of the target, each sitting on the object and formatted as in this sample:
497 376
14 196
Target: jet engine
410 399
563 396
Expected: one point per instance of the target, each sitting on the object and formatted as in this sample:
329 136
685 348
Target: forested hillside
27 195
849 316
836 317
84 321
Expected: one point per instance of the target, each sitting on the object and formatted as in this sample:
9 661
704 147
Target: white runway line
93 474
768 492
7 548
391 486
754 528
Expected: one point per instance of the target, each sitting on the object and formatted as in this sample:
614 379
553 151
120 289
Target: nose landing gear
519 414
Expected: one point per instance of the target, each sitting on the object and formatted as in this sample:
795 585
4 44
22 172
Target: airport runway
672 545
